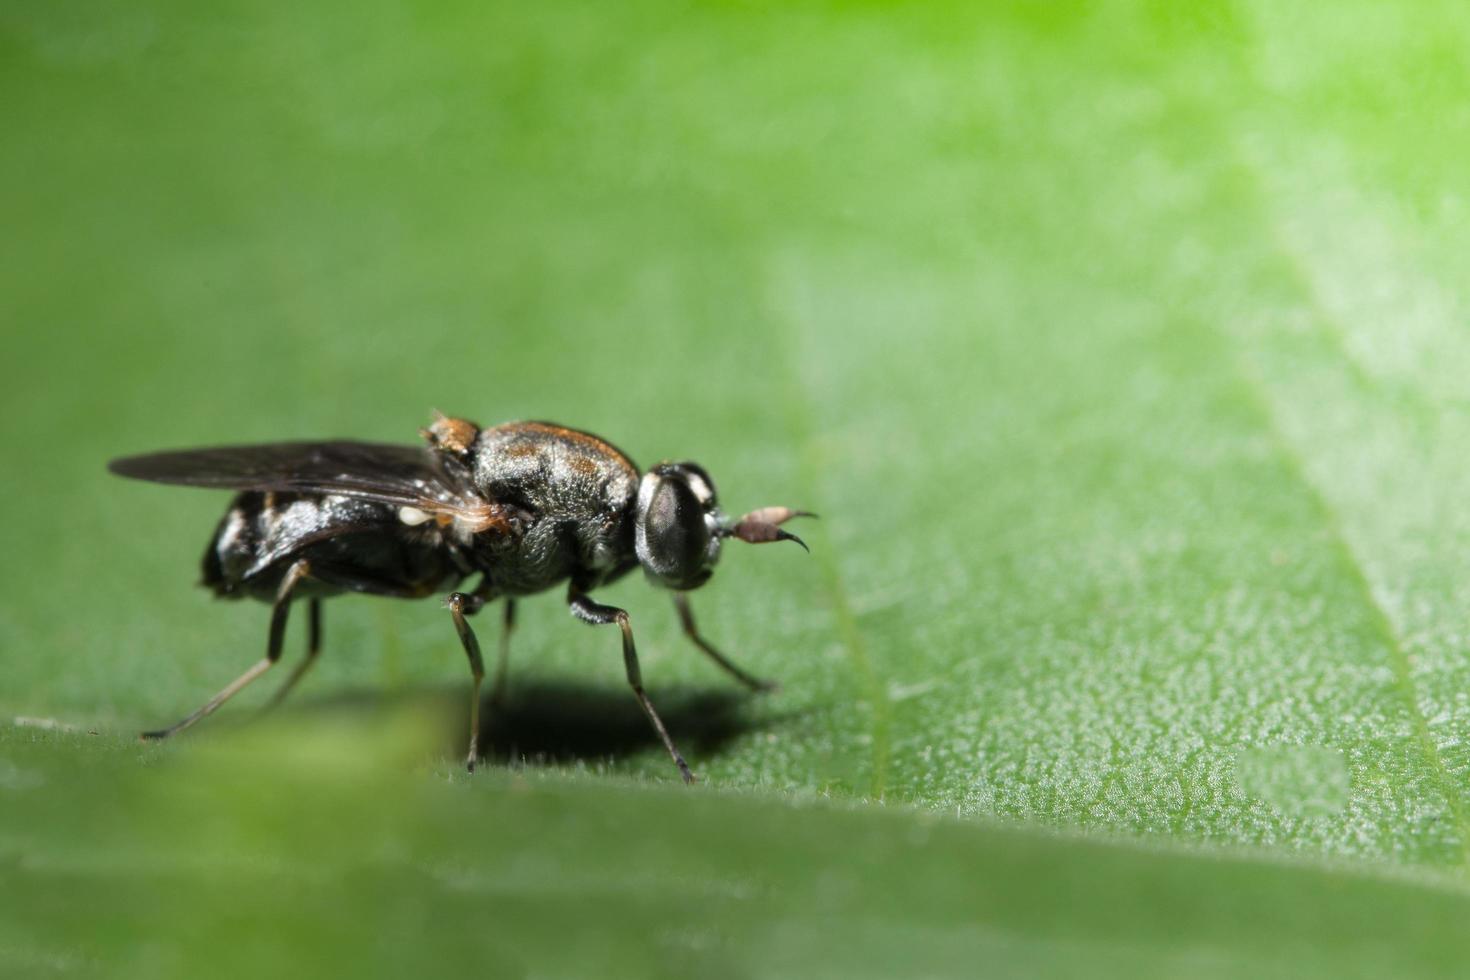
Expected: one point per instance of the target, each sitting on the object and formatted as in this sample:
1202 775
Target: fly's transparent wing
403 476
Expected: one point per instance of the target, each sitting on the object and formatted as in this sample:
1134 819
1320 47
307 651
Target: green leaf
316 853
1119 345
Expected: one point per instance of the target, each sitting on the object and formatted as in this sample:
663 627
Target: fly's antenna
764 525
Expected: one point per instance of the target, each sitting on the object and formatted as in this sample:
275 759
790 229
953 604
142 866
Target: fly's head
680 527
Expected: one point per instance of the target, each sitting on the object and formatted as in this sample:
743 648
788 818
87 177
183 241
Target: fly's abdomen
262 532
235 545
349 545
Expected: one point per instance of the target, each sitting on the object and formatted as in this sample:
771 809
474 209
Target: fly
524 505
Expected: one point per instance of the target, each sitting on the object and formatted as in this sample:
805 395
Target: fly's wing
403 476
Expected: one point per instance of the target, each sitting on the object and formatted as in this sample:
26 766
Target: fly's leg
686 619
313 647
463 604
279 609
497 690
589 611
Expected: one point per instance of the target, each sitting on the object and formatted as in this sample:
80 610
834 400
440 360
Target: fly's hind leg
686 619
590 611
280 608
313 648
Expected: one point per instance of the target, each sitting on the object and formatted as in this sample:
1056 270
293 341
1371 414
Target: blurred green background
1122 347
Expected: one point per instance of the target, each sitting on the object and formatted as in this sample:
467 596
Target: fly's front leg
588 611
279 610
686 619
462 604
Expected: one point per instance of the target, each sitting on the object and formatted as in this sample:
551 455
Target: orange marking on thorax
585 440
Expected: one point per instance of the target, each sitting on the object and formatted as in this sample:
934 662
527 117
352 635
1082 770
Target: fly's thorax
573 494
552 470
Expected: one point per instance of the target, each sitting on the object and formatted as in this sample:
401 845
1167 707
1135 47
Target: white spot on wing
412 516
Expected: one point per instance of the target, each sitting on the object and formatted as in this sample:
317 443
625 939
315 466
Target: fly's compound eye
675 536
699 483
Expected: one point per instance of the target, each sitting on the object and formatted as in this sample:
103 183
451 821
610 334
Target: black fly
524 505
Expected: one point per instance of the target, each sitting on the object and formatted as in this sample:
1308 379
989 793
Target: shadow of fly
524 505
